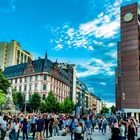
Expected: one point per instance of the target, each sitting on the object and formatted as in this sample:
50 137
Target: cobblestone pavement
96 135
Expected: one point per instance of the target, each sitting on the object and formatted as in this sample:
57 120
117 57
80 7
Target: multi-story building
128 70
11 54
40 76
98 105
85 99
71 70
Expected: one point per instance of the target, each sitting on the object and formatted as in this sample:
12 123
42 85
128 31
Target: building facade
85 99
98 105
71 70
128 70
41 76
11 54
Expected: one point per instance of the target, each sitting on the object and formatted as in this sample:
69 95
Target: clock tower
128 67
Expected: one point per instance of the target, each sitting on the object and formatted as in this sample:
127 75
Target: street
96 135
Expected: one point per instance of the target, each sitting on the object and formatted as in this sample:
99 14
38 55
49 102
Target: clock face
128 17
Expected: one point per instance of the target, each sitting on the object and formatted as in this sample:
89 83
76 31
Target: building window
15 81
19 88
30 87
31 78
30 96
25 88
36 77
44 87
45 77
25 79
20 80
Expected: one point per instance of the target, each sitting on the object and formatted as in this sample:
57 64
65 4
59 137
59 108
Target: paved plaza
96 135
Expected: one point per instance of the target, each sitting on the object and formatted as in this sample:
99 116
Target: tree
43 107
2 98
4 83
18 99
113 109
104 110
67 106
35 101
51 104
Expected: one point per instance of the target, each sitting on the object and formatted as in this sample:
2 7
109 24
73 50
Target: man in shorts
40 125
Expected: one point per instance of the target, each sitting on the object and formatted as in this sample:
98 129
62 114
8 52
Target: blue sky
83 32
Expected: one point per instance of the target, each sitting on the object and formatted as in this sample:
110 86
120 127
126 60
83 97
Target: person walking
40 125
56 127
88 125
33 123
25 128
78 132
131 131
47 121
72 127
122 127
115 131
104 125
15 129
51 124
99 120
3 127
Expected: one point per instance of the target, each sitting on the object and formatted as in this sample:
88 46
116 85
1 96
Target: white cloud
108 104
58 47
97 42
71 33
97 66
113 54
90 48
110 73
91 70
102 83
87 33
103 26
8 6
111 44
100 15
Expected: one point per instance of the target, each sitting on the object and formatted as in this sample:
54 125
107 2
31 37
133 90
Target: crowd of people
40 126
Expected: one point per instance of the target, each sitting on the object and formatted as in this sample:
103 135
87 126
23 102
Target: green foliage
18 99
4 83
43 107
67 106
51 104
2 98
35 101
104 110
113 109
